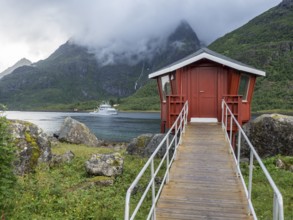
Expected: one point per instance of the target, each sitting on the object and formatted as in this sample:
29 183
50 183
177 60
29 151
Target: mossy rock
105 165
32 145
137 145
270 135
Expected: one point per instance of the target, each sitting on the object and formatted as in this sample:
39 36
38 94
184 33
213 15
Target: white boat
105 109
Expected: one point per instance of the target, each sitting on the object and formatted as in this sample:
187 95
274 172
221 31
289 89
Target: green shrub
7 177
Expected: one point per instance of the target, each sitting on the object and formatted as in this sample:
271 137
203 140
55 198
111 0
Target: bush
7 177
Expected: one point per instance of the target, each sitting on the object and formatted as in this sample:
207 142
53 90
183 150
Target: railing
278 212
175 132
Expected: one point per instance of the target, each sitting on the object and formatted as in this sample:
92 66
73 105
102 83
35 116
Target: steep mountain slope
73 74
266 42
146 98
22 62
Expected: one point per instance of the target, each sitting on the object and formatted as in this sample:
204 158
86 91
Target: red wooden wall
203 84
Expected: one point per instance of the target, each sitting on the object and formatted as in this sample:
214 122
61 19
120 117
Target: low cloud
114 25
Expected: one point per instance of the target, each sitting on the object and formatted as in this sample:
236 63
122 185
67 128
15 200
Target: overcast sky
35 28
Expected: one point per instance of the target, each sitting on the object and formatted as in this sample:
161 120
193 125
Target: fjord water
122 127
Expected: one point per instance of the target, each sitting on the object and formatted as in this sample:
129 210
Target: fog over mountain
74 74
34 29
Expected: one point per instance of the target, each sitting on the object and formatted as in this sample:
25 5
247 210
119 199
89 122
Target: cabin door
203 92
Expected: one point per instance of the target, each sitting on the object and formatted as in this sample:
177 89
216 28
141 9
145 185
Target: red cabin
204 79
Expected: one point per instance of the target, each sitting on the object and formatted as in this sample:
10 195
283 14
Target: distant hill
266 42
22 62
74 74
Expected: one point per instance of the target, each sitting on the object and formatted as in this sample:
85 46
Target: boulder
105 165
145 145
270 134
75 132
137 145
63 158
32 144
154 143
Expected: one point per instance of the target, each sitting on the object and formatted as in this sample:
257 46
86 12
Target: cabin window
243 86
173 83
166 87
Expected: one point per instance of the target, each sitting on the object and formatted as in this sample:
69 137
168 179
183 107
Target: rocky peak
287 3
184 33
21 62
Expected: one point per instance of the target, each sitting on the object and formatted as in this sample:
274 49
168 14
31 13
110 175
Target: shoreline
270 111
61 111
276 111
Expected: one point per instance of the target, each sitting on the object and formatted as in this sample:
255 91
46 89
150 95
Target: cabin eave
206 54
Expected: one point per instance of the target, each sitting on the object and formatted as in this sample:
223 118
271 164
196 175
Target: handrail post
180 129
279 199
275 207
153 189
176 141
168 159
176 129
238 152
231 132
250 175
226 124
127 208
184 121
222 113
231 128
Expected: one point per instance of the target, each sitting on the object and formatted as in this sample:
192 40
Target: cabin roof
205 53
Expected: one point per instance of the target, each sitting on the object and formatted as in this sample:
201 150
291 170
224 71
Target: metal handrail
179 128
278 211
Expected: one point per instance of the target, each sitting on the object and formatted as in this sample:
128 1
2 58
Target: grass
262 194
64 192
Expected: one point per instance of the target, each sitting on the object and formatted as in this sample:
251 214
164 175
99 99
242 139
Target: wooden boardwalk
203 183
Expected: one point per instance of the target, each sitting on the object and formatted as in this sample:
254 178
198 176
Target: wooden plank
203 183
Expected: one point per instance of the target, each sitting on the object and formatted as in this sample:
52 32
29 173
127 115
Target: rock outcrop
32 144
75 132
63 158
287 3
137 145
145 144
105 165
270 134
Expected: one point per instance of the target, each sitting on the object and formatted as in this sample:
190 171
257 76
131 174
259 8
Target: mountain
74 74
266 42
22 62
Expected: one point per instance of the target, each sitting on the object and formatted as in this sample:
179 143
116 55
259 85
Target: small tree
111 102
7 177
